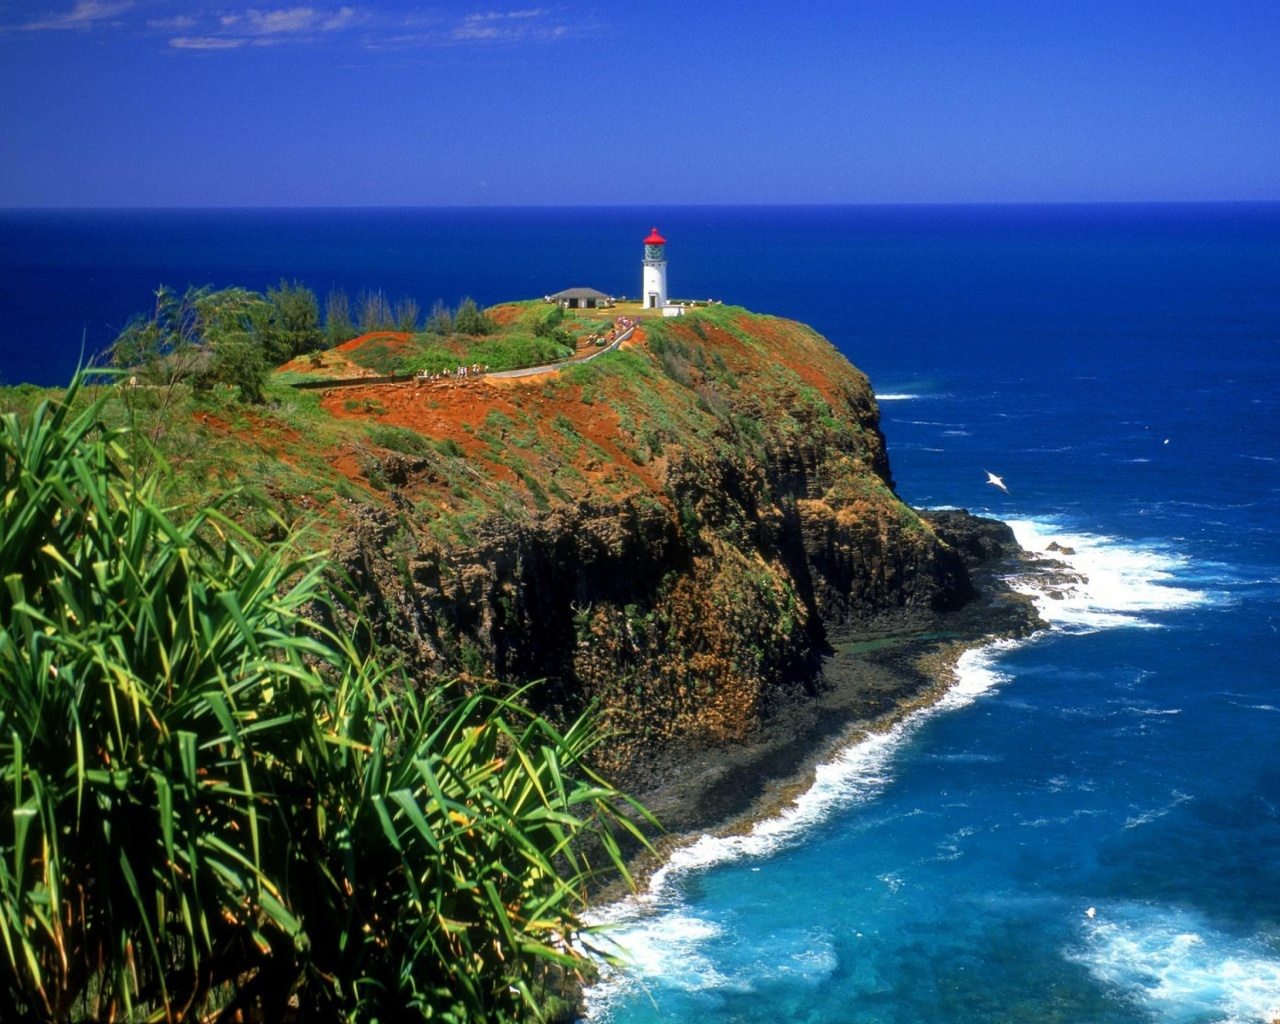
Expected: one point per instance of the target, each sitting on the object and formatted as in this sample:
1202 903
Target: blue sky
162 103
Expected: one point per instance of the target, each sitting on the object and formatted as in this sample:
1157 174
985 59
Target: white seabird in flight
995 481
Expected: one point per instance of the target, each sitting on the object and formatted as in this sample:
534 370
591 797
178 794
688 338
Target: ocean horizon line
983 204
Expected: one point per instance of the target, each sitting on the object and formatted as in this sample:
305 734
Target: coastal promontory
696 532
323 681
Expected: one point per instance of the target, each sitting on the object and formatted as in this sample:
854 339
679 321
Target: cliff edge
698 534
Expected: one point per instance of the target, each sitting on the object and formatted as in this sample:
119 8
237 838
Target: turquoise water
1088 827
1085 829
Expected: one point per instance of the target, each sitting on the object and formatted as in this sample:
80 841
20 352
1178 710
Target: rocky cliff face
677 531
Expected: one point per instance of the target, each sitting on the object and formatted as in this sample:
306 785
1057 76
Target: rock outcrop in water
677 533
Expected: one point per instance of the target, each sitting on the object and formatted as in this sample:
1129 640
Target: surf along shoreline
867 685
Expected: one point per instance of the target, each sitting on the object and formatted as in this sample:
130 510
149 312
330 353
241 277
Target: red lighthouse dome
655 238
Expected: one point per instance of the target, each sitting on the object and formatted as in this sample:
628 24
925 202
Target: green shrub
467 319
399 439
431 357
214 804
448 446
381 357
515 349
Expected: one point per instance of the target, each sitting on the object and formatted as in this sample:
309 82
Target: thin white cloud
84 14
205 43
256 26
368 27
295 19
507 26
174 24
343 18
530 26
492 26
288 21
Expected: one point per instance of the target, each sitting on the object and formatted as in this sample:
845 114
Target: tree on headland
233 336
374 312
469 320
166 345
406 315
175 344
203 337
440 319
338 325
238 362
221 806
294 327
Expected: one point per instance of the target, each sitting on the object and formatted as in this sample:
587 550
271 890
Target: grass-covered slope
674 530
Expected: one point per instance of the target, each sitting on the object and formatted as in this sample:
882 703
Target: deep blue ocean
1087 829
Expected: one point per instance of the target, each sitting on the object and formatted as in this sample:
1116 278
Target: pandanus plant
214 803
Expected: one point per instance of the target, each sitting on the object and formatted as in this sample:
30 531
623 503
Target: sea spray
1105 582
1178 967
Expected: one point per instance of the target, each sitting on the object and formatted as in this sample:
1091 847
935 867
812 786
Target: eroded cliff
677 532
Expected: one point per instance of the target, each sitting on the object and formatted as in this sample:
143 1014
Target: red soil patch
396 337
781 343
821 370
216 423
538 433
457 412
336 363
270 438
504 316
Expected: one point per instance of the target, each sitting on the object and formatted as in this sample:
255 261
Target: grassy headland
695 538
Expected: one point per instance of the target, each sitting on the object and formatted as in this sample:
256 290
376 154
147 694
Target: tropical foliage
215 804
233 336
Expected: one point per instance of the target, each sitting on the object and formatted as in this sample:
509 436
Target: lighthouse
653 290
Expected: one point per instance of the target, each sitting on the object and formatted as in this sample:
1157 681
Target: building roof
579 293
655 238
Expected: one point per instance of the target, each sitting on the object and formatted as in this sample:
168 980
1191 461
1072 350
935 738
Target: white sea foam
1156 813
896 397
659 936
1176 968
673 953
1109 583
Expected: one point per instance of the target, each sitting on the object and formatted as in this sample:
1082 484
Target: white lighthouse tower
653 291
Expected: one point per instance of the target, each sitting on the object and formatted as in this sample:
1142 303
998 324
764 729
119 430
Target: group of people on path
620 326
461 373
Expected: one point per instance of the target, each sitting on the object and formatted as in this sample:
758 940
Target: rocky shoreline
867 682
